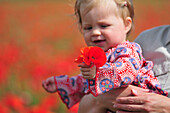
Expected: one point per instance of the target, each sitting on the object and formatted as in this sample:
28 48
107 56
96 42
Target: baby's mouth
99 42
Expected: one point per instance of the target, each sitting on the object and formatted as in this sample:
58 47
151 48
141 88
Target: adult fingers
126 112
137 92
129 107
130 100
135 89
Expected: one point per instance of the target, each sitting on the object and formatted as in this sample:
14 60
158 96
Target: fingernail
147 90
117 100
115 105
134 92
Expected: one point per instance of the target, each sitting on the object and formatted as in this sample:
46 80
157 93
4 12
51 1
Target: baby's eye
104 26
87 28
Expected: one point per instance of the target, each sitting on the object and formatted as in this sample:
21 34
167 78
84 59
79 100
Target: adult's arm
89 103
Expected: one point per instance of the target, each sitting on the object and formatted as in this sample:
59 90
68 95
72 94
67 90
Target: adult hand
87 71
143 102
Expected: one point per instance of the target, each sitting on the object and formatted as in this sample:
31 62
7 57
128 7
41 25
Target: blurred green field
40 39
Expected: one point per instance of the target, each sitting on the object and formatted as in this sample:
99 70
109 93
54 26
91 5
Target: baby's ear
128 24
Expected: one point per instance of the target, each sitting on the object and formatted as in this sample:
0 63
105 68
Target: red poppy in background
14 102
92 55
3 108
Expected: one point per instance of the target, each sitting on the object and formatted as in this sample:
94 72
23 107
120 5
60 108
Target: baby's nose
96 32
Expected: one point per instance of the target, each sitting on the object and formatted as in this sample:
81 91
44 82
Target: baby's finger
86 77
83 65
44 84
85 73
84 69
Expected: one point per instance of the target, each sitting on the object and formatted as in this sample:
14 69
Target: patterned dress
125 65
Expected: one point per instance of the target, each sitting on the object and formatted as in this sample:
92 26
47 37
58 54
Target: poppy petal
91 54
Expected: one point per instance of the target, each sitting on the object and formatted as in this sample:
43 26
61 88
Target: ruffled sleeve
70 90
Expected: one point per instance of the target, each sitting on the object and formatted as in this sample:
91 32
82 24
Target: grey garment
155 45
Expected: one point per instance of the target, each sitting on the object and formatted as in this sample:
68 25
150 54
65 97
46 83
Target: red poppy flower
94 55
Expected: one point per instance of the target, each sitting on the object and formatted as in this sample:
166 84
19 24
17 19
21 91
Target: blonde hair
125 8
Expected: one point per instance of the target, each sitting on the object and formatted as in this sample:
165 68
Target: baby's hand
49 85
88 72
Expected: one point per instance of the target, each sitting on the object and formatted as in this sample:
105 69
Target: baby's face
103 27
